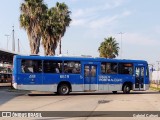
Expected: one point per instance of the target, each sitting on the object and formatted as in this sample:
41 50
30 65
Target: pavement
19 100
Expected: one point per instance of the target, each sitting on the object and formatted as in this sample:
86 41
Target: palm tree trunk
60 52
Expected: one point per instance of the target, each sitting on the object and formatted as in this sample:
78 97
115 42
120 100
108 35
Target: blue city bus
62 74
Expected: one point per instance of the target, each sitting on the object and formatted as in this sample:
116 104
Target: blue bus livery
79 74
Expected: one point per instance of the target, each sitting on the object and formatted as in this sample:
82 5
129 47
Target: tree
54 27
64 15
30 19
51 27
109 48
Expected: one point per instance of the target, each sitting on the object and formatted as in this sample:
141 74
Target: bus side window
111 68
108 68
25 69
93 71
103 66
86 71
31 66
25 66
125 68
52 66
73 67
114 68
37 66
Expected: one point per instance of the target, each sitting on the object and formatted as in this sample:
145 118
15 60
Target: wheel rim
127 89
64 90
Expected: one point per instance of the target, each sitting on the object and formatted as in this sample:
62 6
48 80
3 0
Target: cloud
78 22
81 13
98 16
109 20
95 21
157 29
126 13
97 9
139 39
113 4
102 22
73 0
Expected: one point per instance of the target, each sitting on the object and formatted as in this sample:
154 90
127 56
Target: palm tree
51 27
64 15
109 48
30 19
54 26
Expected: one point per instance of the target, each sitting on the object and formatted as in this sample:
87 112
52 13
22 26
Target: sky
92 21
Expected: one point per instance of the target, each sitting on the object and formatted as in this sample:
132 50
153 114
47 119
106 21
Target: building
6 63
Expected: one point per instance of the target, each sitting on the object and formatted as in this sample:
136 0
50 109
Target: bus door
139 77
90 77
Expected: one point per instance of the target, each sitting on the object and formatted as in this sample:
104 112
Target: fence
155 79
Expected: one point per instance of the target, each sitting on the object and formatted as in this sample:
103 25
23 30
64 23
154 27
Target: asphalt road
13 100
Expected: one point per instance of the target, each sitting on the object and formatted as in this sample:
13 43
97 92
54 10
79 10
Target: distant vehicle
63 75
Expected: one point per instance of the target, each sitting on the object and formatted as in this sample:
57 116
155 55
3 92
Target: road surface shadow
12 92
93 93
8 93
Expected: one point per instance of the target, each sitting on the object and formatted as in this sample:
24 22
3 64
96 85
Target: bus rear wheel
63 89
126 89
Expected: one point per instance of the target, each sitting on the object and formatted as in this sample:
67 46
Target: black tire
114 92
63 89
126 89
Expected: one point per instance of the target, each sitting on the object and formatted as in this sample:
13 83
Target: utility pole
158 64
18 47
13 40
7 40
67 52
121 33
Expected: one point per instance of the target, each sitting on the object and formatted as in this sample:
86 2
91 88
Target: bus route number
32 76
64 76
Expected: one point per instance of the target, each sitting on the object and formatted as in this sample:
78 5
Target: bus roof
76 58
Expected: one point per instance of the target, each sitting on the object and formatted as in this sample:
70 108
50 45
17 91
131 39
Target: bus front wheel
63 89
126 89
